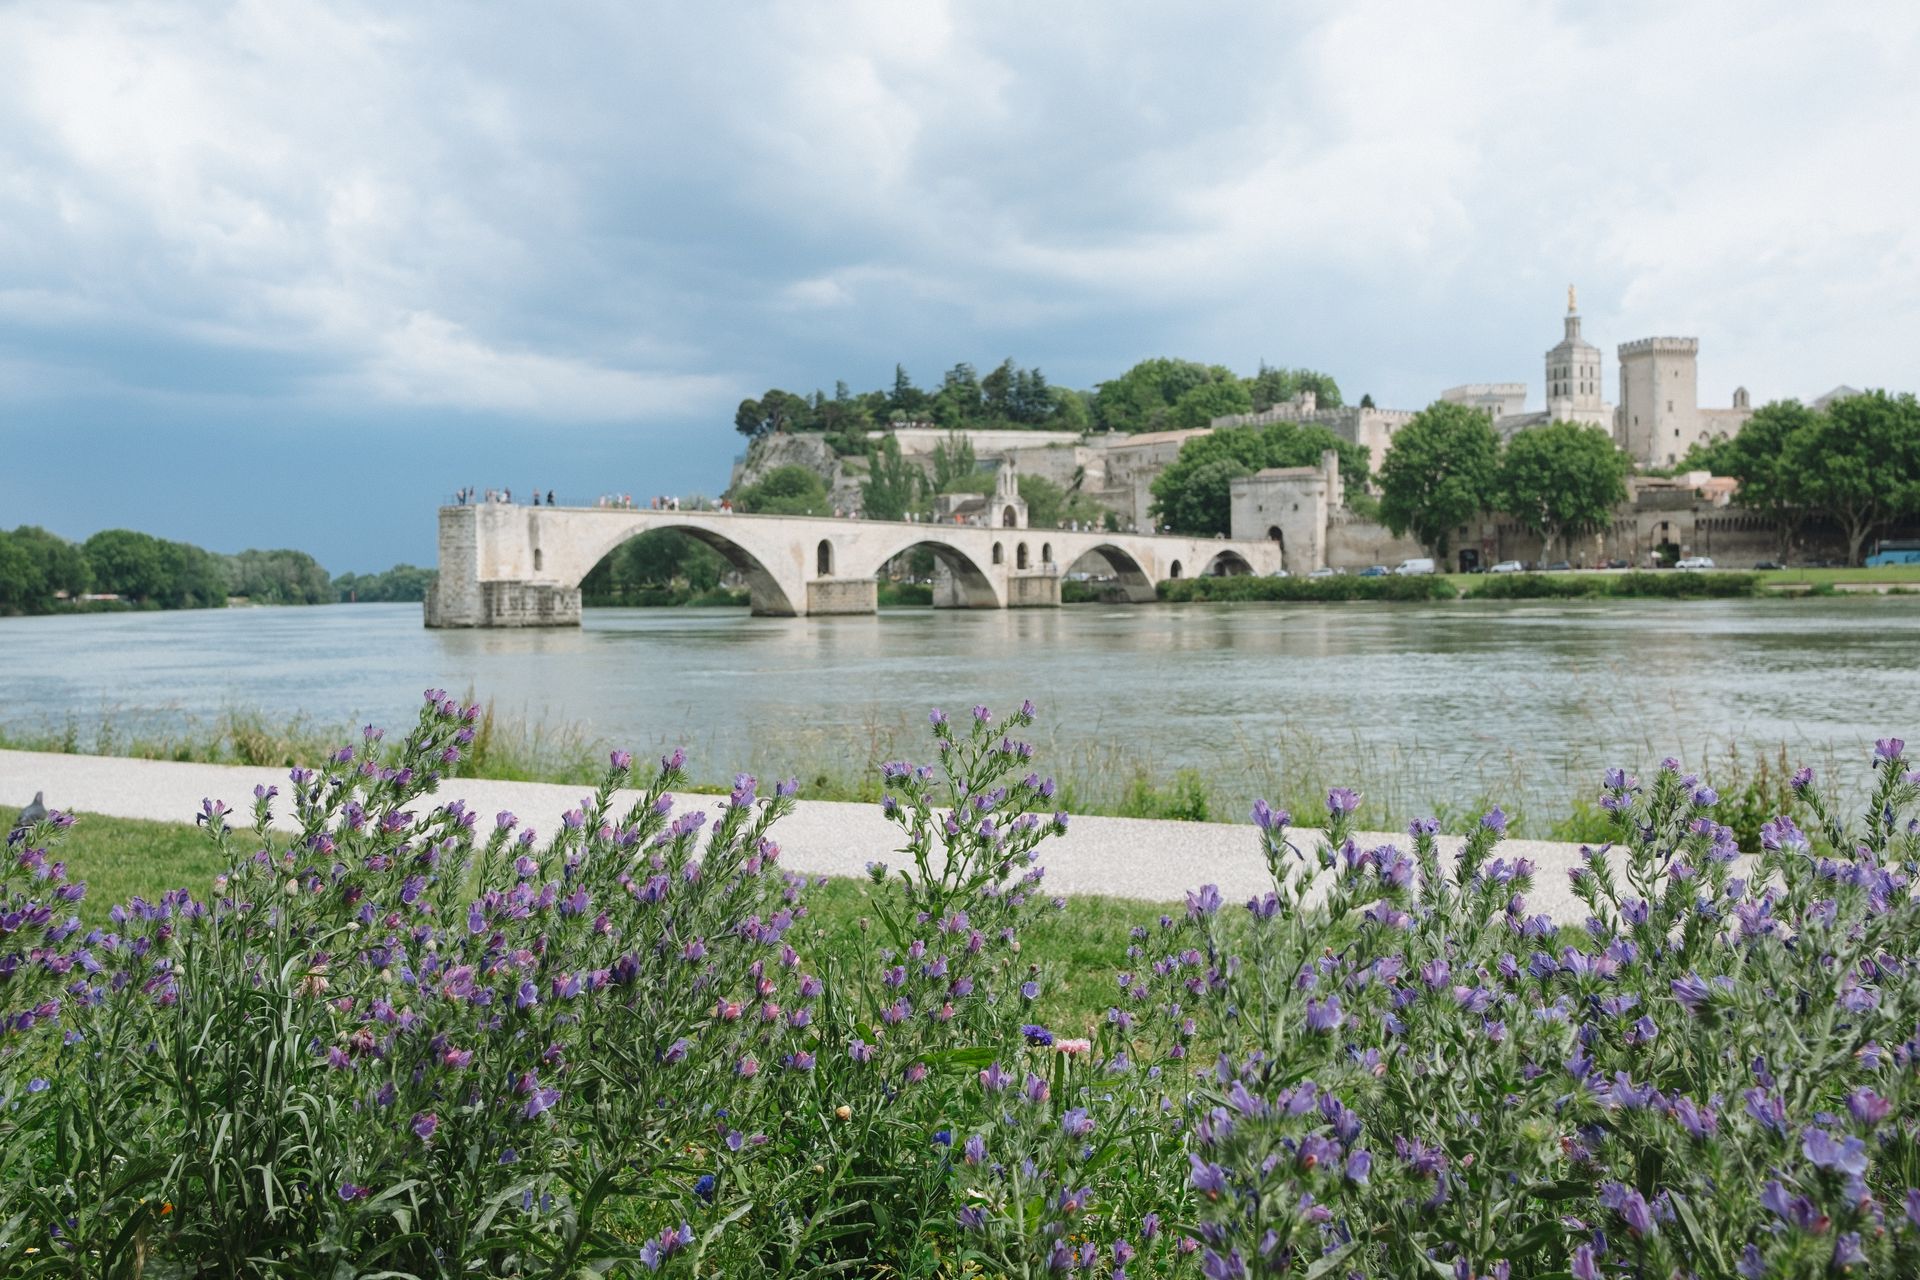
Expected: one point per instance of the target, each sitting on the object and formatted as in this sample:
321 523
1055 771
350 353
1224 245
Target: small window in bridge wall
1176 568
999 556
1020 556
537 558
824 558
1046 553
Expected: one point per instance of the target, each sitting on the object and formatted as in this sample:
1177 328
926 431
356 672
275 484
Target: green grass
119 858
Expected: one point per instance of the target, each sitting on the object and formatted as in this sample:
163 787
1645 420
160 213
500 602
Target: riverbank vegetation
445 1044
41 572
1095 773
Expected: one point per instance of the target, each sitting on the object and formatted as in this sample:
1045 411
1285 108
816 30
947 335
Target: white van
1422 565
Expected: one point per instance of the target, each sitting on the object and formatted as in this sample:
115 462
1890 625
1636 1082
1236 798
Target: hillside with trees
1154 395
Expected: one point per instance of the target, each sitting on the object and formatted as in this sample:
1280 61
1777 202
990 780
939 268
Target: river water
1423 705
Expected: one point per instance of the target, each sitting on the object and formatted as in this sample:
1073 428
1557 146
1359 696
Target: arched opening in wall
823 559
923 573
676 565
1279 540
1020 556
1176 570
1010 519
1046 553
539 560
1107 574
999 556
1228 564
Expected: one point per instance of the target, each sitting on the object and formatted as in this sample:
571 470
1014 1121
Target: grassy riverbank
1097 773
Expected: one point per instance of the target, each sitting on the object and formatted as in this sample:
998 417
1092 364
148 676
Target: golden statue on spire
1571 305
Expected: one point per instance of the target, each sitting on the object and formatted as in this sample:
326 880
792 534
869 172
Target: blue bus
1895 551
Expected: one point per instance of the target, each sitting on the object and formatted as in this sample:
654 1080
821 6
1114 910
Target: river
1424 705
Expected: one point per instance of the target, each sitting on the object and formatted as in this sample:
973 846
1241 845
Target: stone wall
843 595
1033 590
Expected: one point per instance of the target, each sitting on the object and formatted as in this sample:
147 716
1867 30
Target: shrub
398 1040
1671 585
1414 587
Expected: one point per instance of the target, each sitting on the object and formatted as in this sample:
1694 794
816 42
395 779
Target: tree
906 398
126 563
1202 404
22 585
748 419
1441 471
791 490
953 459
1366 400
403 583
1068 410
1859 464
1201 503
1562 479
893 484
1760 458
1192 495
59 567
1138 400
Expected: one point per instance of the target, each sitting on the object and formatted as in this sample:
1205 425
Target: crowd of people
471 496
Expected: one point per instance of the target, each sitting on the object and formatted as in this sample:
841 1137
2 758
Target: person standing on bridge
550 501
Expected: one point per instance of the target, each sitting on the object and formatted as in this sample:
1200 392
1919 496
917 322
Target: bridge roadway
512 566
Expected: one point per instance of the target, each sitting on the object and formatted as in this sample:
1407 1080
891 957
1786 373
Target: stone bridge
512 566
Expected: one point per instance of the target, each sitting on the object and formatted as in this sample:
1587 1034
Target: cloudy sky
285 274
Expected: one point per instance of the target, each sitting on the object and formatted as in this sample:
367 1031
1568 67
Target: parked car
1696 562
1417 565
1508 566
1374 571
1559 566
1327 571
1615 564
1279 573
1768 564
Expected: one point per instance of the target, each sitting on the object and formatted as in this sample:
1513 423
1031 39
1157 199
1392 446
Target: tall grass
1103 774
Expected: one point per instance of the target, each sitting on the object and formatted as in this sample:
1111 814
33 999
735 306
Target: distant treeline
41 572
1154 395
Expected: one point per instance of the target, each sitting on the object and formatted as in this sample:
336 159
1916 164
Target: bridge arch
959 581
1133 578
1228 564
768 593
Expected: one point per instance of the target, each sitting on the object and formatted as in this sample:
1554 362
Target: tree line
1154 395
1854 465
41 572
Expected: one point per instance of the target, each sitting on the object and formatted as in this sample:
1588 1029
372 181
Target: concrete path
1137 858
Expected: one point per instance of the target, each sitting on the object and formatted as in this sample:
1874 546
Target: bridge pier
1033 590
843 595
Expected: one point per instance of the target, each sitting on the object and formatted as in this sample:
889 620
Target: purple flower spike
1888 749
1342 800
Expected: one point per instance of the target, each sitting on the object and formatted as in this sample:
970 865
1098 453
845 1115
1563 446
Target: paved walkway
1136 858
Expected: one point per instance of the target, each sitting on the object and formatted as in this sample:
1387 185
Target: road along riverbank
1144 859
